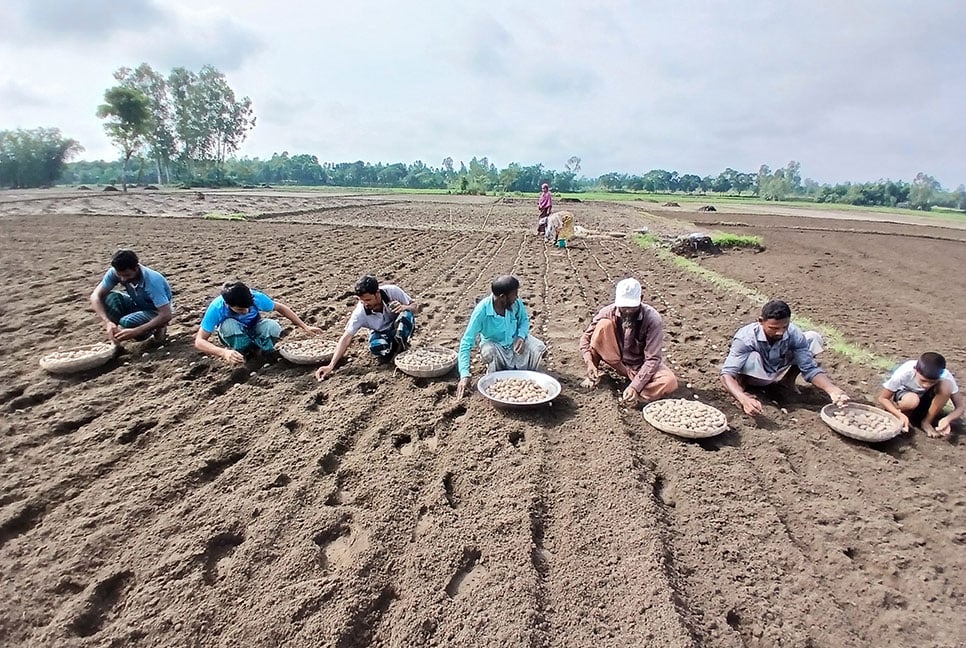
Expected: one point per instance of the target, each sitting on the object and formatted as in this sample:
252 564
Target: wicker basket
78 359
651 414
888 425
306 351
410 362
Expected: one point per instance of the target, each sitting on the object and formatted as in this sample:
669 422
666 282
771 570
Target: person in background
918 390
389 314
503 326
545 205
142 310
235 315
627 335
773 350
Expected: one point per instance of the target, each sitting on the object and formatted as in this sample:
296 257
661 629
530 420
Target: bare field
166 500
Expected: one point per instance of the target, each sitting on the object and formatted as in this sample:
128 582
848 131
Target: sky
855 91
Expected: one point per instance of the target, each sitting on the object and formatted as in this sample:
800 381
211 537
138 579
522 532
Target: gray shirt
375 321
791 349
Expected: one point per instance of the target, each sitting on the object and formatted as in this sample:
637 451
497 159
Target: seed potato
517 390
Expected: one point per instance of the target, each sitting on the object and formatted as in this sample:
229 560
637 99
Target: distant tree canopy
128 116
34 158
195 122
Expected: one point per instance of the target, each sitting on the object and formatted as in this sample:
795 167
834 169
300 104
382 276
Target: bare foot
931 432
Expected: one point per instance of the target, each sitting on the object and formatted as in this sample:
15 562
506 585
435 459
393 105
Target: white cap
628 293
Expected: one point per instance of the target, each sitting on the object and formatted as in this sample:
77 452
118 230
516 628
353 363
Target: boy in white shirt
917 391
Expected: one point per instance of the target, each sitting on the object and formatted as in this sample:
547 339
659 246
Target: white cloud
856 91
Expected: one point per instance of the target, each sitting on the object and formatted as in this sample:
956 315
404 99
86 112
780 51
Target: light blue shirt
499 329
150 292
792 348
218 312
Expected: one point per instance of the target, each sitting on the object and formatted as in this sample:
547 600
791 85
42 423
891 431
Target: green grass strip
833 337
727 239
225 216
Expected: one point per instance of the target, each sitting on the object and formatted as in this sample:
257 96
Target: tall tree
161 141
922 193
129 125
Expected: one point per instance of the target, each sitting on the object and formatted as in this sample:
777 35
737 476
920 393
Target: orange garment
604 348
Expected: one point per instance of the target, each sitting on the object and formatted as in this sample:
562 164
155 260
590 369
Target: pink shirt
546 200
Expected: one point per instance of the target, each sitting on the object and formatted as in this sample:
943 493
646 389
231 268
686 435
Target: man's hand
944 427
629 396
839 397
112 330
324 372
461 387
395 307
232 357
904 420
751 406
593 373
313 330
519 345
124 334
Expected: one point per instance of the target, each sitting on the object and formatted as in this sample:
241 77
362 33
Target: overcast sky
854 90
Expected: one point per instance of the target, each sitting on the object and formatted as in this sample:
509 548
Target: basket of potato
862 422
685 418
306 350
518 388
426 362
78 359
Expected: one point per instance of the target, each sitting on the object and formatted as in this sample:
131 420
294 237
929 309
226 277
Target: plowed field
168 500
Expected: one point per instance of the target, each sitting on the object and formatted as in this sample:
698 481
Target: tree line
480 176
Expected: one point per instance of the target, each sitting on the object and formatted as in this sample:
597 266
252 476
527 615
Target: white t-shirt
377 321
904 379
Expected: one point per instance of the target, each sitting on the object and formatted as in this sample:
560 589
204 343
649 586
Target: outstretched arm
204 344
823 382
751 406
325 371
295 319
97 303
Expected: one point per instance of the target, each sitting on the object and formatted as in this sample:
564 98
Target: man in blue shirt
503 326
773 350
143 309
236 316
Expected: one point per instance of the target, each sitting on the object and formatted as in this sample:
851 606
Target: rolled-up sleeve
804 359
469 339
523 320
737 356
652 350
588 333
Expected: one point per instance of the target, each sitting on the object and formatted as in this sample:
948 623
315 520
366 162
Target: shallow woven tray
85 357
404 363
687 433
893 430
306 350
547 382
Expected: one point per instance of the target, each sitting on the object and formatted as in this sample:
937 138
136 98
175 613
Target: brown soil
166 500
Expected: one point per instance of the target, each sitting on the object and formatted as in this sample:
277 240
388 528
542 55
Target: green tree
161 140
129 121
922 193
34 158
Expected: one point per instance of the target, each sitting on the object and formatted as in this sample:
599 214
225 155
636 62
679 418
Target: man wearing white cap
773 350
627 335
